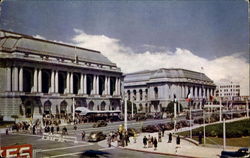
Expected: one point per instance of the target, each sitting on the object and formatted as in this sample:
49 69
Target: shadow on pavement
94 154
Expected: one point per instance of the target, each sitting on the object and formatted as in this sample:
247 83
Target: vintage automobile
150 128
100 123
96 136
242 152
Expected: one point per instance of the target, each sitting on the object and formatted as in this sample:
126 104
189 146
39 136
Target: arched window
134 94
140 91
128 94
103 105
91 105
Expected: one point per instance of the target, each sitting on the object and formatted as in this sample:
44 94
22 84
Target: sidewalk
186 148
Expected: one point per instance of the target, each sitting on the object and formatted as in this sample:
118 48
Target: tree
170 107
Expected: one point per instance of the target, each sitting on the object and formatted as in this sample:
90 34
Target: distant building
153 90
228 90
42 77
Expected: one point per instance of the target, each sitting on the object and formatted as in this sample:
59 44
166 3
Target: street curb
160 153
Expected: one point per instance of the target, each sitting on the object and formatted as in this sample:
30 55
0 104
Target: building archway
103 106
156 92
29 108
128 92
63 107
91 105
47 107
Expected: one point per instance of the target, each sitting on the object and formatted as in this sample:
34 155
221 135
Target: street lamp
125 113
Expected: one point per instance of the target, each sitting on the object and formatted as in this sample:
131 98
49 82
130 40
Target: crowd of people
150 141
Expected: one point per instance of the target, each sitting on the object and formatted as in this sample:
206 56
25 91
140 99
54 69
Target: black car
242 152
100 123
96 136
151 128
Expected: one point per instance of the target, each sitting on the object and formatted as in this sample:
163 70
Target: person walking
109 141
159 136
57 129
52 129
200 137
155 143
178 140
145 139
83 135
170 138
75 127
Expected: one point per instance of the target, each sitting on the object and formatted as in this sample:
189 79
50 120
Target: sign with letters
20 151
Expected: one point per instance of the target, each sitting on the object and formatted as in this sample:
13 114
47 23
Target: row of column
14 78
181 91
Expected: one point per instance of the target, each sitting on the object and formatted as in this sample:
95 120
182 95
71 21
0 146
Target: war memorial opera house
155 89
42 77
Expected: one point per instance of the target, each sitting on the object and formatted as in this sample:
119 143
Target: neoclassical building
42 77
153 90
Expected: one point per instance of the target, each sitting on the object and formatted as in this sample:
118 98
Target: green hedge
233 129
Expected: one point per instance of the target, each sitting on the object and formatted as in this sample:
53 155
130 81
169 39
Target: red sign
20 151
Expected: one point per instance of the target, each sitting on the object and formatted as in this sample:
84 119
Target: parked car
96 136
100 123
150 128
242 152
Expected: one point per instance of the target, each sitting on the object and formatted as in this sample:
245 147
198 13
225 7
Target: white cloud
232 67
39 37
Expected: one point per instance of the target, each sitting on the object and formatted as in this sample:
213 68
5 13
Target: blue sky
210 33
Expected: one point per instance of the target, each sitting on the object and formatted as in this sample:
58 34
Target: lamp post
132 110
204 126
247 108
220 110
125 114
224 134
190 117
73 108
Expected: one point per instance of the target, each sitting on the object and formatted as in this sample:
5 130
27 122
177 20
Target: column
116 86
85 84
94 85
200 92
108 88
106 85
56 81
8 79
81 84
40 81
186 89
208 93
183 91
143 94
71 82
97 84
20 79
35 80
191 91
14 79
68 83
52 82
196 92
119 87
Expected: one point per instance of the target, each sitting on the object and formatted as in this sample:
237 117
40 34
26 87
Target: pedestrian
134 137
163 131
7 131
75 127
178 140
159 136
155 143
64 131
109 141
57 129
34 129
200 138
83 135
52 129
126 139
145 140
170 138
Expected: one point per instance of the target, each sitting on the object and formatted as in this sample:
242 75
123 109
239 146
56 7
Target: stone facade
42 77
153 90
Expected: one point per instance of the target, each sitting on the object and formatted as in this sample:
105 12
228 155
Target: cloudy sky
139 35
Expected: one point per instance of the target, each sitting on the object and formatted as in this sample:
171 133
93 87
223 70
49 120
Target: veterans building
44 77
153 90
